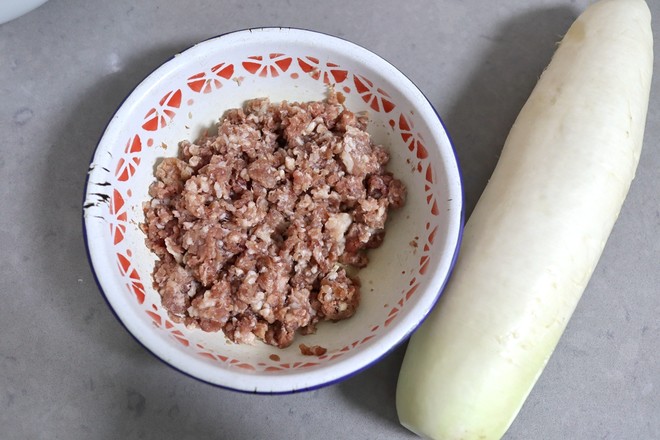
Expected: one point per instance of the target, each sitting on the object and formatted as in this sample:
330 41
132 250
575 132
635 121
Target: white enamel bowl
11 9
184 97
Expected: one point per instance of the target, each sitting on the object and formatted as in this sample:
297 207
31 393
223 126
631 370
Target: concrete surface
68 370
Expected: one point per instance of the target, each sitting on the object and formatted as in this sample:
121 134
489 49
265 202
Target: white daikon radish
537 232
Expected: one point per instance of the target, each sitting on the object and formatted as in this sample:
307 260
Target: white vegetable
537 232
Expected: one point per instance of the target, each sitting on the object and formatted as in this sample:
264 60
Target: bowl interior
185 97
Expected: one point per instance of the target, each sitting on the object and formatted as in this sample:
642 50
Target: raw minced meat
254 227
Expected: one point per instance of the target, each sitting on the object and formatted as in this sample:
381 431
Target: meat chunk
338 295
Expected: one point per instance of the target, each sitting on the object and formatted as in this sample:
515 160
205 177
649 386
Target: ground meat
254 227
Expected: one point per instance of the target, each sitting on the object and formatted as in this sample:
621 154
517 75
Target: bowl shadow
478 121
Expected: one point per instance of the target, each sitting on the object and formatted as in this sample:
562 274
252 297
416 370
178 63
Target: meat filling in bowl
255 228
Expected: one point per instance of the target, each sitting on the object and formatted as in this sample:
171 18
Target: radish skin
537 232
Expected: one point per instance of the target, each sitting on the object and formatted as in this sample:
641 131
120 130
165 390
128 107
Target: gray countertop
68 370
